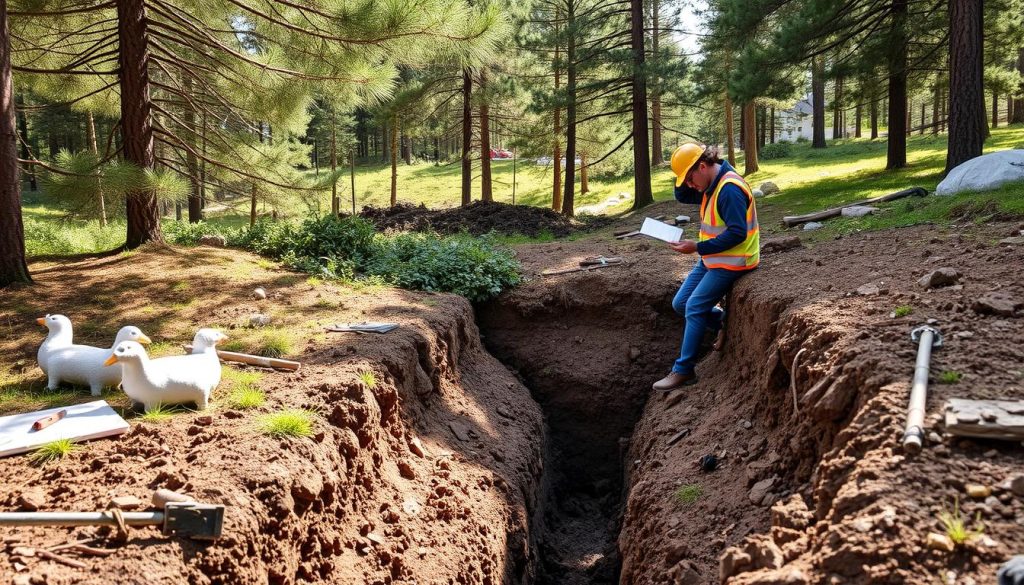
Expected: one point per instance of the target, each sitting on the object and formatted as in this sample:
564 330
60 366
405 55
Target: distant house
795 123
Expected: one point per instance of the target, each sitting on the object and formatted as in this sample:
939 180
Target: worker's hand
684 247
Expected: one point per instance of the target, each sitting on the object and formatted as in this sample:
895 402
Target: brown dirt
298 510
478 218
589 345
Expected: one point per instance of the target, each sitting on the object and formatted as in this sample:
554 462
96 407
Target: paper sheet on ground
90 420
661 231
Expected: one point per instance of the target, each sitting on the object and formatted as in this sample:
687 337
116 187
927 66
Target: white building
796 122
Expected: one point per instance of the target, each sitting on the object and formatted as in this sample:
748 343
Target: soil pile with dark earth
426 474
479 218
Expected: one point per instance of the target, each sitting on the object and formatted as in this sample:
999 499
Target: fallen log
255 360
792 220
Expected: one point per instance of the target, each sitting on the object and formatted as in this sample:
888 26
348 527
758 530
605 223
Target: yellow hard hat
684 158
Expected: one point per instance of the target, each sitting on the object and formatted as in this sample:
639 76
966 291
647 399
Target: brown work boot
673 381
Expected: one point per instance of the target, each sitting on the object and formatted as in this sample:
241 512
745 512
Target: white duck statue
63 361
170 380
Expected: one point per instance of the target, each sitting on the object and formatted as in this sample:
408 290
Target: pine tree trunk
556 186
1018 102
857 120
896 156
874 116
335 200
730 140
467 136
910 117
935 110
12 232
771 130
352 177
817 103
437 151
90 131
641 149
25 154
136 119
966 93
750 130
394 161
252 205
486 194
922 118
995 109
743 130
195 205
569 198
657 156
202 166
584 175
837 126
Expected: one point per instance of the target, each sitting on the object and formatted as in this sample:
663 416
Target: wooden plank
792 220
255 360
678 436
987 419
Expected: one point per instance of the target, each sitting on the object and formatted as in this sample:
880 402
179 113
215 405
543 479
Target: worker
728 246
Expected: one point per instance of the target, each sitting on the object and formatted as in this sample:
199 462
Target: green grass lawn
810 179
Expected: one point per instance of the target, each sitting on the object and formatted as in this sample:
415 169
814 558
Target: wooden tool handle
48 420
255 360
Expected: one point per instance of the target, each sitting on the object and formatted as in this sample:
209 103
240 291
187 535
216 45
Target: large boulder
983 173
769 188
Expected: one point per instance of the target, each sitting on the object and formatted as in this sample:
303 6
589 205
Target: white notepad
661 230
90 420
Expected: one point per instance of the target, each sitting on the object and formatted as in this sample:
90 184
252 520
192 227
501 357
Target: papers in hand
661 231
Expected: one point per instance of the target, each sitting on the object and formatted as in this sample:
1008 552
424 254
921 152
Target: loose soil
569 468
479 218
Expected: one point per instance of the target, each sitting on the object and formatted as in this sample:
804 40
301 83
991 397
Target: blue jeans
696 301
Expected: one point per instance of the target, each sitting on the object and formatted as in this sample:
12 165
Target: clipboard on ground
369 327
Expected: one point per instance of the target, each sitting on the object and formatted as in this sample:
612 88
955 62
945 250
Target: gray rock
761 489
984 173
32 499
682 219
769 188
213 240
868 290
1016 485
995 303
259 320
259 293
939 277
813 225
858 211
1012 241
757 193
781 244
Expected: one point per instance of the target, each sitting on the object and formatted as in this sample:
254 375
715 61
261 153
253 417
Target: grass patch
326 304
368 378
903 310
161 413
52 452
955 524
292 422
243 397
950 377
275 344
689 493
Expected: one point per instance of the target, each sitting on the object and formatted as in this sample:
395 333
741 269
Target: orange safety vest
746 254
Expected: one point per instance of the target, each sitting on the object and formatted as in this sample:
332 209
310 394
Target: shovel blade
193 520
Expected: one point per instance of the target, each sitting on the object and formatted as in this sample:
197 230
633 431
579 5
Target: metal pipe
913 436
79 518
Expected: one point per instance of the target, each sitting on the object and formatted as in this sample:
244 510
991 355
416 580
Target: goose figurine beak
41 320
144 339
110 361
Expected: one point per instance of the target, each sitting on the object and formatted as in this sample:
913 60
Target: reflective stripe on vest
747 253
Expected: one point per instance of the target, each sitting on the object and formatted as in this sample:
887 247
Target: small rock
259 320
406 470
757 193
781 244
458 431
769 188
868 290
940 277
213 240
977 491
634 353
259 293
813 225
416 446
204 420
934 437
411 507
941 542
374 538
964 334
682 219
422 552
746 423
1016 485
126 502
32 499
760 490
1012 241
995 303
502 411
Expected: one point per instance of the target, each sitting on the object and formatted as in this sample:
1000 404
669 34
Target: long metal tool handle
913 435
79 518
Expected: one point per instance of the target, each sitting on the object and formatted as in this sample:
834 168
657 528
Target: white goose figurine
174 379
63 361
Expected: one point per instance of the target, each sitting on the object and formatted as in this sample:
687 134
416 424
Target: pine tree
12 238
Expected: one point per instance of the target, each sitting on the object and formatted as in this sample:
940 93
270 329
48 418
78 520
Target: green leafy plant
292 422
950 377
775 151
903 310
184 233
369 379
955 524
689 493
52 451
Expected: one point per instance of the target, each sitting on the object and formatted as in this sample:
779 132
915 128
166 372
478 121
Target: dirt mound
356 503
478 218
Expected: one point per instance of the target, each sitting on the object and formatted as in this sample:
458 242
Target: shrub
471 267
775 151
184 233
